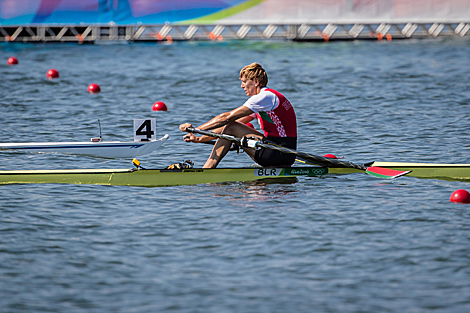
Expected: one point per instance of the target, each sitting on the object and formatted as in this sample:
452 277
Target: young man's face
249 86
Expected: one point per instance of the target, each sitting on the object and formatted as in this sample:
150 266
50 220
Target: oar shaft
316 159
306 156
212 134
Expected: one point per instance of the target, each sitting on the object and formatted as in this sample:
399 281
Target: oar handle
212 134
192 130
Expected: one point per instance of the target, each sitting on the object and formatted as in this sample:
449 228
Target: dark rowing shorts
270 157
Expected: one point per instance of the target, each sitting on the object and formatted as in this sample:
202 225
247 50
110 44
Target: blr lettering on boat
267 172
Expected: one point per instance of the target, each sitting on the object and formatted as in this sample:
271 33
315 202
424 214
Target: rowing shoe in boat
192 176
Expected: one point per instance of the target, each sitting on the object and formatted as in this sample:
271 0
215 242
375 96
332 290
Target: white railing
216 32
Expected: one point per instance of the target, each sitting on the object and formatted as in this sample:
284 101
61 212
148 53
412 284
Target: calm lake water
339 243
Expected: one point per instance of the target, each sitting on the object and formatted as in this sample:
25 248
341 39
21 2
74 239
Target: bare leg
219 150
222 146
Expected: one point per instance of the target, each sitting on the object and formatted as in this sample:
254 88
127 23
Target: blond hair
255 72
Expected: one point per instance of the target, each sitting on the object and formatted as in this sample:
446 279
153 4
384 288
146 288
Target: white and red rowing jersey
274 112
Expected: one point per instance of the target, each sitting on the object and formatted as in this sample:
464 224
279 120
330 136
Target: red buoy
52 73
159 106
12 61
94 88
329 155
460 196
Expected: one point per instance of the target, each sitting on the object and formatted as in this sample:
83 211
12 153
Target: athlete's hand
185 126
190 138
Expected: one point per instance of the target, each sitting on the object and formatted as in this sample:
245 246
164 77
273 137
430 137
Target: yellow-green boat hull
163 177
153 177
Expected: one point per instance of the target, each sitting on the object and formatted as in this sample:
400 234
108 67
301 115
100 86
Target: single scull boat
192 176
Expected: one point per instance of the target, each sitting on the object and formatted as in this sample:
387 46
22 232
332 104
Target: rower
275 115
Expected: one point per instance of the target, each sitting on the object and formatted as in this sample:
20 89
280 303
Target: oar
310 158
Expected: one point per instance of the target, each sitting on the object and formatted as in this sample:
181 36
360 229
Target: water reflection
260 190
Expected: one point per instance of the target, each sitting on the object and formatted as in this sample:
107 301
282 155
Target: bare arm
223 119
240 114
245 119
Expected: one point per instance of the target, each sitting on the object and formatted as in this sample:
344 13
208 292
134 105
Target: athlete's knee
230 128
